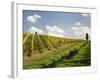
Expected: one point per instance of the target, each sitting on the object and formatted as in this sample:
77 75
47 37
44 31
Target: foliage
49 51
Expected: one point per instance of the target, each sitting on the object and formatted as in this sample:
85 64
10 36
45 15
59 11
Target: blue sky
62 24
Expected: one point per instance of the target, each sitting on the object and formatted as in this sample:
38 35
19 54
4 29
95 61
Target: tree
87 36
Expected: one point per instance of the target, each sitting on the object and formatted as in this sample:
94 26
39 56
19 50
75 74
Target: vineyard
42 51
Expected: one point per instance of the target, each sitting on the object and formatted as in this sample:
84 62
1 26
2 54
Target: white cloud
33 29
34 18
55 31
78 24
80 32
38 16
85 14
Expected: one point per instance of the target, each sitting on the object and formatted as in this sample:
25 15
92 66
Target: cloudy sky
62 24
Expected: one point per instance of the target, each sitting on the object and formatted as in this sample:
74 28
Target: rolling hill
43 51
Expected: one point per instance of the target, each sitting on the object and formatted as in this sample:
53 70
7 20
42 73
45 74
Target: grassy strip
54 56
82 58
26 37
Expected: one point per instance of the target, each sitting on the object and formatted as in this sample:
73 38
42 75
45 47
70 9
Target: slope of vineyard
42 51
82 58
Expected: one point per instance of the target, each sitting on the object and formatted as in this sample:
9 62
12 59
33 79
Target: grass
49 57
56 52
82 58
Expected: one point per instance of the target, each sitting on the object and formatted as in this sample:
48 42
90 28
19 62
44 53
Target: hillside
42 51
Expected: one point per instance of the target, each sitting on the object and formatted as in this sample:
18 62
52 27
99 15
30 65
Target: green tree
87 36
